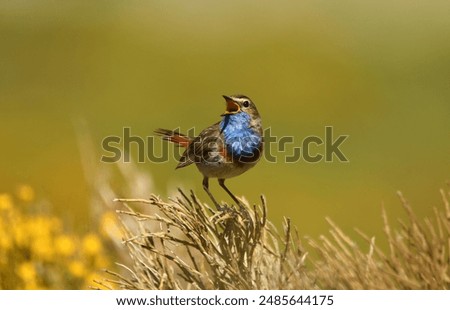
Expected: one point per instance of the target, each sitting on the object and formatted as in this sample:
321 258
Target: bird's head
240 104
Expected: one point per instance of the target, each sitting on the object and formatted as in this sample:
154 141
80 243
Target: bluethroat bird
226 149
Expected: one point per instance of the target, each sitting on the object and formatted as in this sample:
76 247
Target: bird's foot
225 208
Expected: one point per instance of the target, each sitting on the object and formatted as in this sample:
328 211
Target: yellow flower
109 226
43 225
91 245
65 245
42 248
25 193
77 269
20 234
5 202
5 242
27 272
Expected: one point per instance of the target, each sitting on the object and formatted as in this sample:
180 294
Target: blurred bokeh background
378 71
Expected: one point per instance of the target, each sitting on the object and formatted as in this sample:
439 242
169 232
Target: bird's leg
206 188
222 184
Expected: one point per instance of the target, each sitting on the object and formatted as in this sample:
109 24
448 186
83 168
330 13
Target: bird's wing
200 149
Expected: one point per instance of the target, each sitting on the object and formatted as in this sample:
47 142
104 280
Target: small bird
226 149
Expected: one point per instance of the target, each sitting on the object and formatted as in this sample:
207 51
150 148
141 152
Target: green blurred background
378 71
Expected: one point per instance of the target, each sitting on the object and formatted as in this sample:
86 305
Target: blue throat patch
240 139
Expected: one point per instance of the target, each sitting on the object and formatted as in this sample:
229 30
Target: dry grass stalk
418 255
197 247
187 245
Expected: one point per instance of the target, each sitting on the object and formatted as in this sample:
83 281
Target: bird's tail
174 136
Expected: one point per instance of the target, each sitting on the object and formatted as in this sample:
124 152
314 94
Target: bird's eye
246 104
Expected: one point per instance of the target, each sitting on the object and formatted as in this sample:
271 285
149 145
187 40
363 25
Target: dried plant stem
184 244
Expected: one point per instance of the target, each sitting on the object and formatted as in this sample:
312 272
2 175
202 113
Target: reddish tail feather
174 136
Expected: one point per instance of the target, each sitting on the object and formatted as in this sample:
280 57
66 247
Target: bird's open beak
232 106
